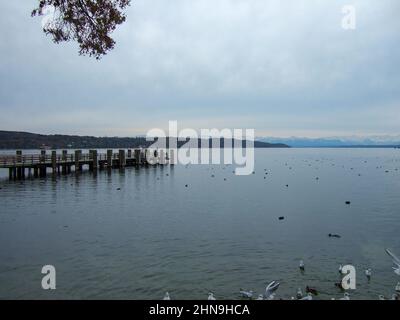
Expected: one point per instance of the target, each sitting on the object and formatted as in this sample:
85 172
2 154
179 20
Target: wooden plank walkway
20 165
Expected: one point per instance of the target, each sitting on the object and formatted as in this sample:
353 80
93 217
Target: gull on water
307 297
395 297
271 288
260 297
211 296
246 294
299 293
270 297
166 296
396 261
381 297
368 273
301 265
346 296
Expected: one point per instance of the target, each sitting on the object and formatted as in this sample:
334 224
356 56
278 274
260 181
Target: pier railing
62 162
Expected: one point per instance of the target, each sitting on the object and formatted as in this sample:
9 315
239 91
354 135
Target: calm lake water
156 235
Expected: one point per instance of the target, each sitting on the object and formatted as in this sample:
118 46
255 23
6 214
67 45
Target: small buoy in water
281 218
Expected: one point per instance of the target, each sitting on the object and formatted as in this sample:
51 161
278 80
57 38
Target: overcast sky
282 67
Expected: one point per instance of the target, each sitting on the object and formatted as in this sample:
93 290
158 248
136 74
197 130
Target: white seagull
271 288
381 297
301 265
211 296
346 296
307 297
270 297
299 293
166 296
396 261
260 297
246 294
368 273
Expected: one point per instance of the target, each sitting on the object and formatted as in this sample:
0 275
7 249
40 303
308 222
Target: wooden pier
21 165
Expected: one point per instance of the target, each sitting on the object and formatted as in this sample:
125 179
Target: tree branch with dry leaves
88 22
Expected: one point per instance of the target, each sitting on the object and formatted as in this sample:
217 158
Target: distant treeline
26 140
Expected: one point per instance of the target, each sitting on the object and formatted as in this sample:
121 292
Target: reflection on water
137 233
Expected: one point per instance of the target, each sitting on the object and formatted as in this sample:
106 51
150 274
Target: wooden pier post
19 163
109 159
95 160
78 166
137 156
129 153
64 160
54 161
10 173
122 159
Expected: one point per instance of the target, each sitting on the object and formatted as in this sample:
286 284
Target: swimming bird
260 297
311 290
301 265
299 293
396 261
346 296
339 285
270 297
331 235
271 288
381 297
395 297
166 296
211 296
246 294
368 273
307 297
